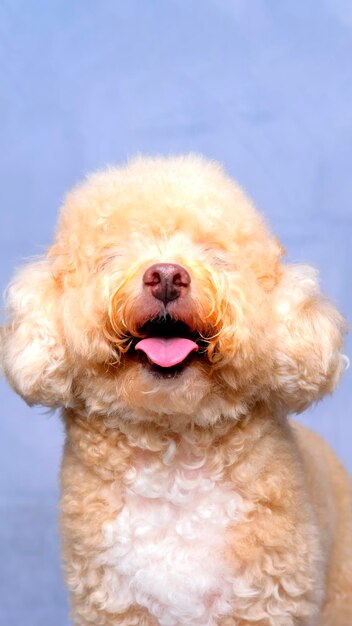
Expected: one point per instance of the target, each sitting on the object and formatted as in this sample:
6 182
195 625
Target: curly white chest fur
165 549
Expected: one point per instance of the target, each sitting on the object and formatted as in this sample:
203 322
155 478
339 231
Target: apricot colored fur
189 500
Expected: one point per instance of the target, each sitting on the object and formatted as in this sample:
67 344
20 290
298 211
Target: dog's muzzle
166 282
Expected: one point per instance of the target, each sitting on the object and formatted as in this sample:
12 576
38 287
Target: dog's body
174 535
165 325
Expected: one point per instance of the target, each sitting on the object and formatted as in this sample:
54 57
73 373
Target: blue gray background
265 86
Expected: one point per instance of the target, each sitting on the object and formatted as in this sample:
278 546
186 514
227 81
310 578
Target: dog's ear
309 338
33 353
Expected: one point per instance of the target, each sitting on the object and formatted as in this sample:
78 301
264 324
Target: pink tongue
166 352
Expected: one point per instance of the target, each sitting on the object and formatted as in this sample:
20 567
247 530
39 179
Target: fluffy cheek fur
66 343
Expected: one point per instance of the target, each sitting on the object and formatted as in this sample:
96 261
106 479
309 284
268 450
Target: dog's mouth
168 345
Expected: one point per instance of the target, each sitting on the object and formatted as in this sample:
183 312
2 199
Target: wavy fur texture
188 499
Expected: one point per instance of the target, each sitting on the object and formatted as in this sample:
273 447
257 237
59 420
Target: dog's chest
165 549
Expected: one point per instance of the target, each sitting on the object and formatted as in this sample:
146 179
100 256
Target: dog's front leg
273 549
277 577
87 503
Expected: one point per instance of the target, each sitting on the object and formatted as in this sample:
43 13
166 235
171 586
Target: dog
165 325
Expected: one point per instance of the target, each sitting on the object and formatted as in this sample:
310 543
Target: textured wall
263 86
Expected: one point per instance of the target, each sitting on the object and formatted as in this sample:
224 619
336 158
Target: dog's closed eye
217 257
107 259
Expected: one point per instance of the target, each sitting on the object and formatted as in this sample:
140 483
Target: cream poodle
165 325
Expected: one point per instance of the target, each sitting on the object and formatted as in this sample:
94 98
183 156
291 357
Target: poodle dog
165 325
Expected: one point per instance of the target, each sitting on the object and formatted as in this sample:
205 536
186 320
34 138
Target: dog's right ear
32 346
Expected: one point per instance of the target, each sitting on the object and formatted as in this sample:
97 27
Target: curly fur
189 499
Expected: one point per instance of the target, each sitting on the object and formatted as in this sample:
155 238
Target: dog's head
164 294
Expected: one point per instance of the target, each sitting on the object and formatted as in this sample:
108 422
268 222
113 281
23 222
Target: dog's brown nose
166 281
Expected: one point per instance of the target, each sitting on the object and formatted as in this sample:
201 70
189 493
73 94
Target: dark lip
167 372
168 327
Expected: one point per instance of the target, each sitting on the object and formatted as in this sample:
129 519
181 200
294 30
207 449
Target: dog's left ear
309 339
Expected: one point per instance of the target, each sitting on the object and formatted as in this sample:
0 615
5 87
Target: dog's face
164 295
